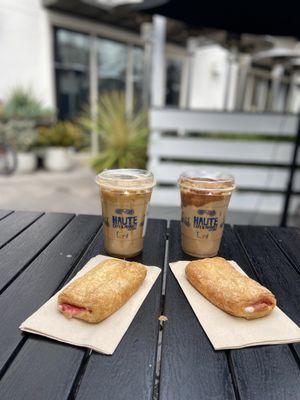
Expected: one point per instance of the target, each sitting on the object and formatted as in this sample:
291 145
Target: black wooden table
155 360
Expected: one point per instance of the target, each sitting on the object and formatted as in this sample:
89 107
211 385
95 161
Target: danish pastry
101 291
225 287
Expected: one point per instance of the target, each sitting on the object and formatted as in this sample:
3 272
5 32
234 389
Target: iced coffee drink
125 195
204 201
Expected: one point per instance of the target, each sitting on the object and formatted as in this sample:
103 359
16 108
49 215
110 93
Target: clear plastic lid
207 180
126 179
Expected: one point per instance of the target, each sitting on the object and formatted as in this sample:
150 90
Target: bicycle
8 159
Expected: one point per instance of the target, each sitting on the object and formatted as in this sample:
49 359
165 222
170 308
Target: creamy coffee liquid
125 196
204 203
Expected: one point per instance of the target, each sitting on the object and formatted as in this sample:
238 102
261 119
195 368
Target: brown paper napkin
103 337
228 332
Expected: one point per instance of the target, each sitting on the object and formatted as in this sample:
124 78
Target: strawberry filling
71 309
262 304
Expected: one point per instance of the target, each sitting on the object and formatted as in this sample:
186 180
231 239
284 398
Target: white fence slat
245 177
250 202
168 119
220 150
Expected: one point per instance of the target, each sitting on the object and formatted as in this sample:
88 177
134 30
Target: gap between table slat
162 312
102 369
190 368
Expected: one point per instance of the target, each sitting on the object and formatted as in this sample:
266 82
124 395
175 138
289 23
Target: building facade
68 61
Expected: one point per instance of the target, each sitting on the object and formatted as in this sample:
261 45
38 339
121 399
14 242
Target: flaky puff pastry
225 287
101 291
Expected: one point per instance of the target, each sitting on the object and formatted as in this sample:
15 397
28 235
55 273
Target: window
114 68
112 64
138 75
115 71
72 72
173 80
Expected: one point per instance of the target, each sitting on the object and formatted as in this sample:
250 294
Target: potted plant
21 113
123 135
60 142
22 136
22 104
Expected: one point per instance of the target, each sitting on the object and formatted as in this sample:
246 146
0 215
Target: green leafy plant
62 134
20 134
22 104
122 135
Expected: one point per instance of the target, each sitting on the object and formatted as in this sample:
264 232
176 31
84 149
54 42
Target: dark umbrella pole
289 189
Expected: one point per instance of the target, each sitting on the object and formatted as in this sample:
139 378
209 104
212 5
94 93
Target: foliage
2 132
123 135
22 104
20 134
62 134
1 111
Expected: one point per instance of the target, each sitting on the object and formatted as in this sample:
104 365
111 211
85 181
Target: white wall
26 49
209 78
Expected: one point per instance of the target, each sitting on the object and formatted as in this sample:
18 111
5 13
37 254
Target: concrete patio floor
76 192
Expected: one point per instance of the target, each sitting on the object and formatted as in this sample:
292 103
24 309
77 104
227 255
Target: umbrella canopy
257 17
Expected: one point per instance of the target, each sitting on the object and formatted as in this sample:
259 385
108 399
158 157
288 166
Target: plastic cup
205 198
124 195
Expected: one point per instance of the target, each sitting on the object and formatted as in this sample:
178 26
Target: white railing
261 167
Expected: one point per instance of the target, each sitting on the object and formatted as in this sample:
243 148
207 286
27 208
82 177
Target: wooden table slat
190 368
288 239
273 268
30 365
41 279
5 213
130 371
284 377
16 223
67 360
18 253
40 253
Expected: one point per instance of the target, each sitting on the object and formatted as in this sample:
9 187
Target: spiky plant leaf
123 136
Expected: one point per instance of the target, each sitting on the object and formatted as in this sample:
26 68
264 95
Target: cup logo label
125 221
129 223
201 223
209 223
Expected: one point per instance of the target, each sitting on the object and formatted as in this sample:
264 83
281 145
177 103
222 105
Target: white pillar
192 45
276 76
146 34
94 91
129 93
291 91
261 95
231 89
244 66
248 98
158 75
